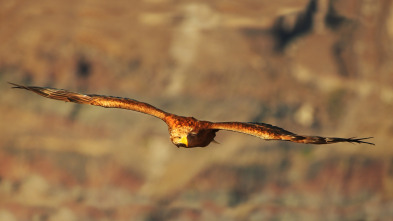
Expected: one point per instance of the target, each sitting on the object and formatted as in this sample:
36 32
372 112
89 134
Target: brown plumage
187 131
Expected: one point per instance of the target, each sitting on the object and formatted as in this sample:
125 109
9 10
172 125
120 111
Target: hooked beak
183 142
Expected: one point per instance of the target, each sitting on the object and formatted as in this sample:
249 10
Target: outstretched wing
270 132
97 100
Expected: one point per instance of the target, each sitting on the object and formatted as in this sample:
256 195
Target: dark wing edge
270 132
93 99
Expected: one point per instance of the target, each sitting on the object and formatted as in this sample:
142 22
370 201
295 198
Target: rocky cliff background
318 67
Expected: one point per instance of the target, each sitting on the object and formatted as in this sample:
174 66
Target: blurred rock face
318 67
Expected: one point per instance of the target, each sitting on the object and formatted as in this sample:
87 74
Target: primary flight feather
187 131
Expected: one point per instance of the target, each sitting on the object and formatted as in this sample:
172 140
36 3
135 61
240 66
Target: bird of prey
187 131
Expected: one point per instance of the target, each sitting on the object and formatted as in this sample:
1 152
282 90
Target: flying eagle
187 131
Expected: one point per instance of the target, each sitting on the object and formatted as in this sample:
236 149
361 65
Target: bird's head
179 136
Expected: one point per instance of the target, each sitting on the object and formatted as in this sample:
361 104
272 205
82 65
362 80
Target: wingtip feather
16 85
361 140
